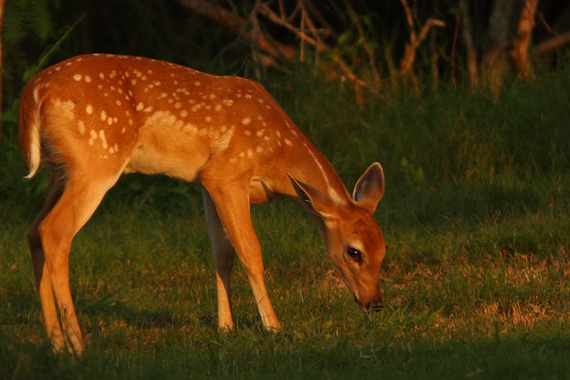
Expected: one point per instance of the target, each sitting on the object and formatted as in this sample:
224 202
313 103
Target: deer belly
171 153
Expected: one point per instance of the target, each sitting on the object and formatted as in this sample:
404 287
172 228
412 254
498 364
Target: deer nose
374 305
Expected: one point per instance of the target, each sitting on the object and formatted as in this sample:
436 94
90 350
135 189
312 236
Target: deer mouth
374 305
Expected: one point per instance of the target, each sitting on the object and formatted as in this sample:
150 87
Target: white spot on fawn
89 109
81 126
223 143
190 128
92 137
77 77
103 139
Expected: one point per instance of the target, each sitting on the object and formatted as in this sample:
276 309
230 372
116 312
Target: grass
476 280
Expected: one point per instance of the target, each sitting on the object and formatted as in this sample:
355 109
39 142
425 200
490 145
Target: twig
303 16
455 33
415 39
371 60
235 23
326 29
410 19
552 43
271 16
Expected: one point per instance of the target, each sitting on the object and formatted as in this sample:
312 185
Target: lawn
476 280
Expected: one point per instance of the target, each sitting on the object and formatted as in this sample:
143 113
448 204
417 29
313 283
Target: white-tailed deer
94 117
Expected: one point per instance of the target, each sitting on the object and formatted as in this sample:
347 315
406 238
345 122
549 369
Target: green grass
476 280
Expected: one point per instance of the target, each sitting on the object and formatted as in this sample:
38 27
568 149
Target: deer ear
369 188
313 200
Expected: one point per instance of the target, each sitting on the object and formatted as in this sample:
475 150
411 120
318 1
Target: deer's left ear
313 200
369 188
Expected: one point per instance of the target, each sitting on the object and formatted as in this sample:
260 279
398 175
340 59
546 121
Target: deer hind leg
223 253
68 208
232 206
43 282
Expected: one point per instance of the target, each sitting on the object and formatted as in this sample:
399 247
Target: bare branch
236 24
415 39
552 43
410 19
267 12
307 33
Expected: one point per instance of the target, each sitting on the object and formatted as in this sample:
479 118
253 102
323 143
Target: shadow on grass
111 308
498 357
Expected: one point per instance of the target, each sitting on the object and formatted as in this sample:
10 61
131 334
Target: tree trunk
468 40
2 2
495 62
519 52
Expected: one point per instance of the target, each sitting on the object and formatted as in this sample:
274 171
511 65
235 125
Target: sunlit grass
476 281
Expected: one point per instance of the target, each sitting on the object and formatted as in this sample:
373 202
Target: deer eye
354 254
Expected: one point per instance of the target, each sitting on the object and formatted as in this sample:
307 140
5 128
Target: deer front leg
223 254
232 206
